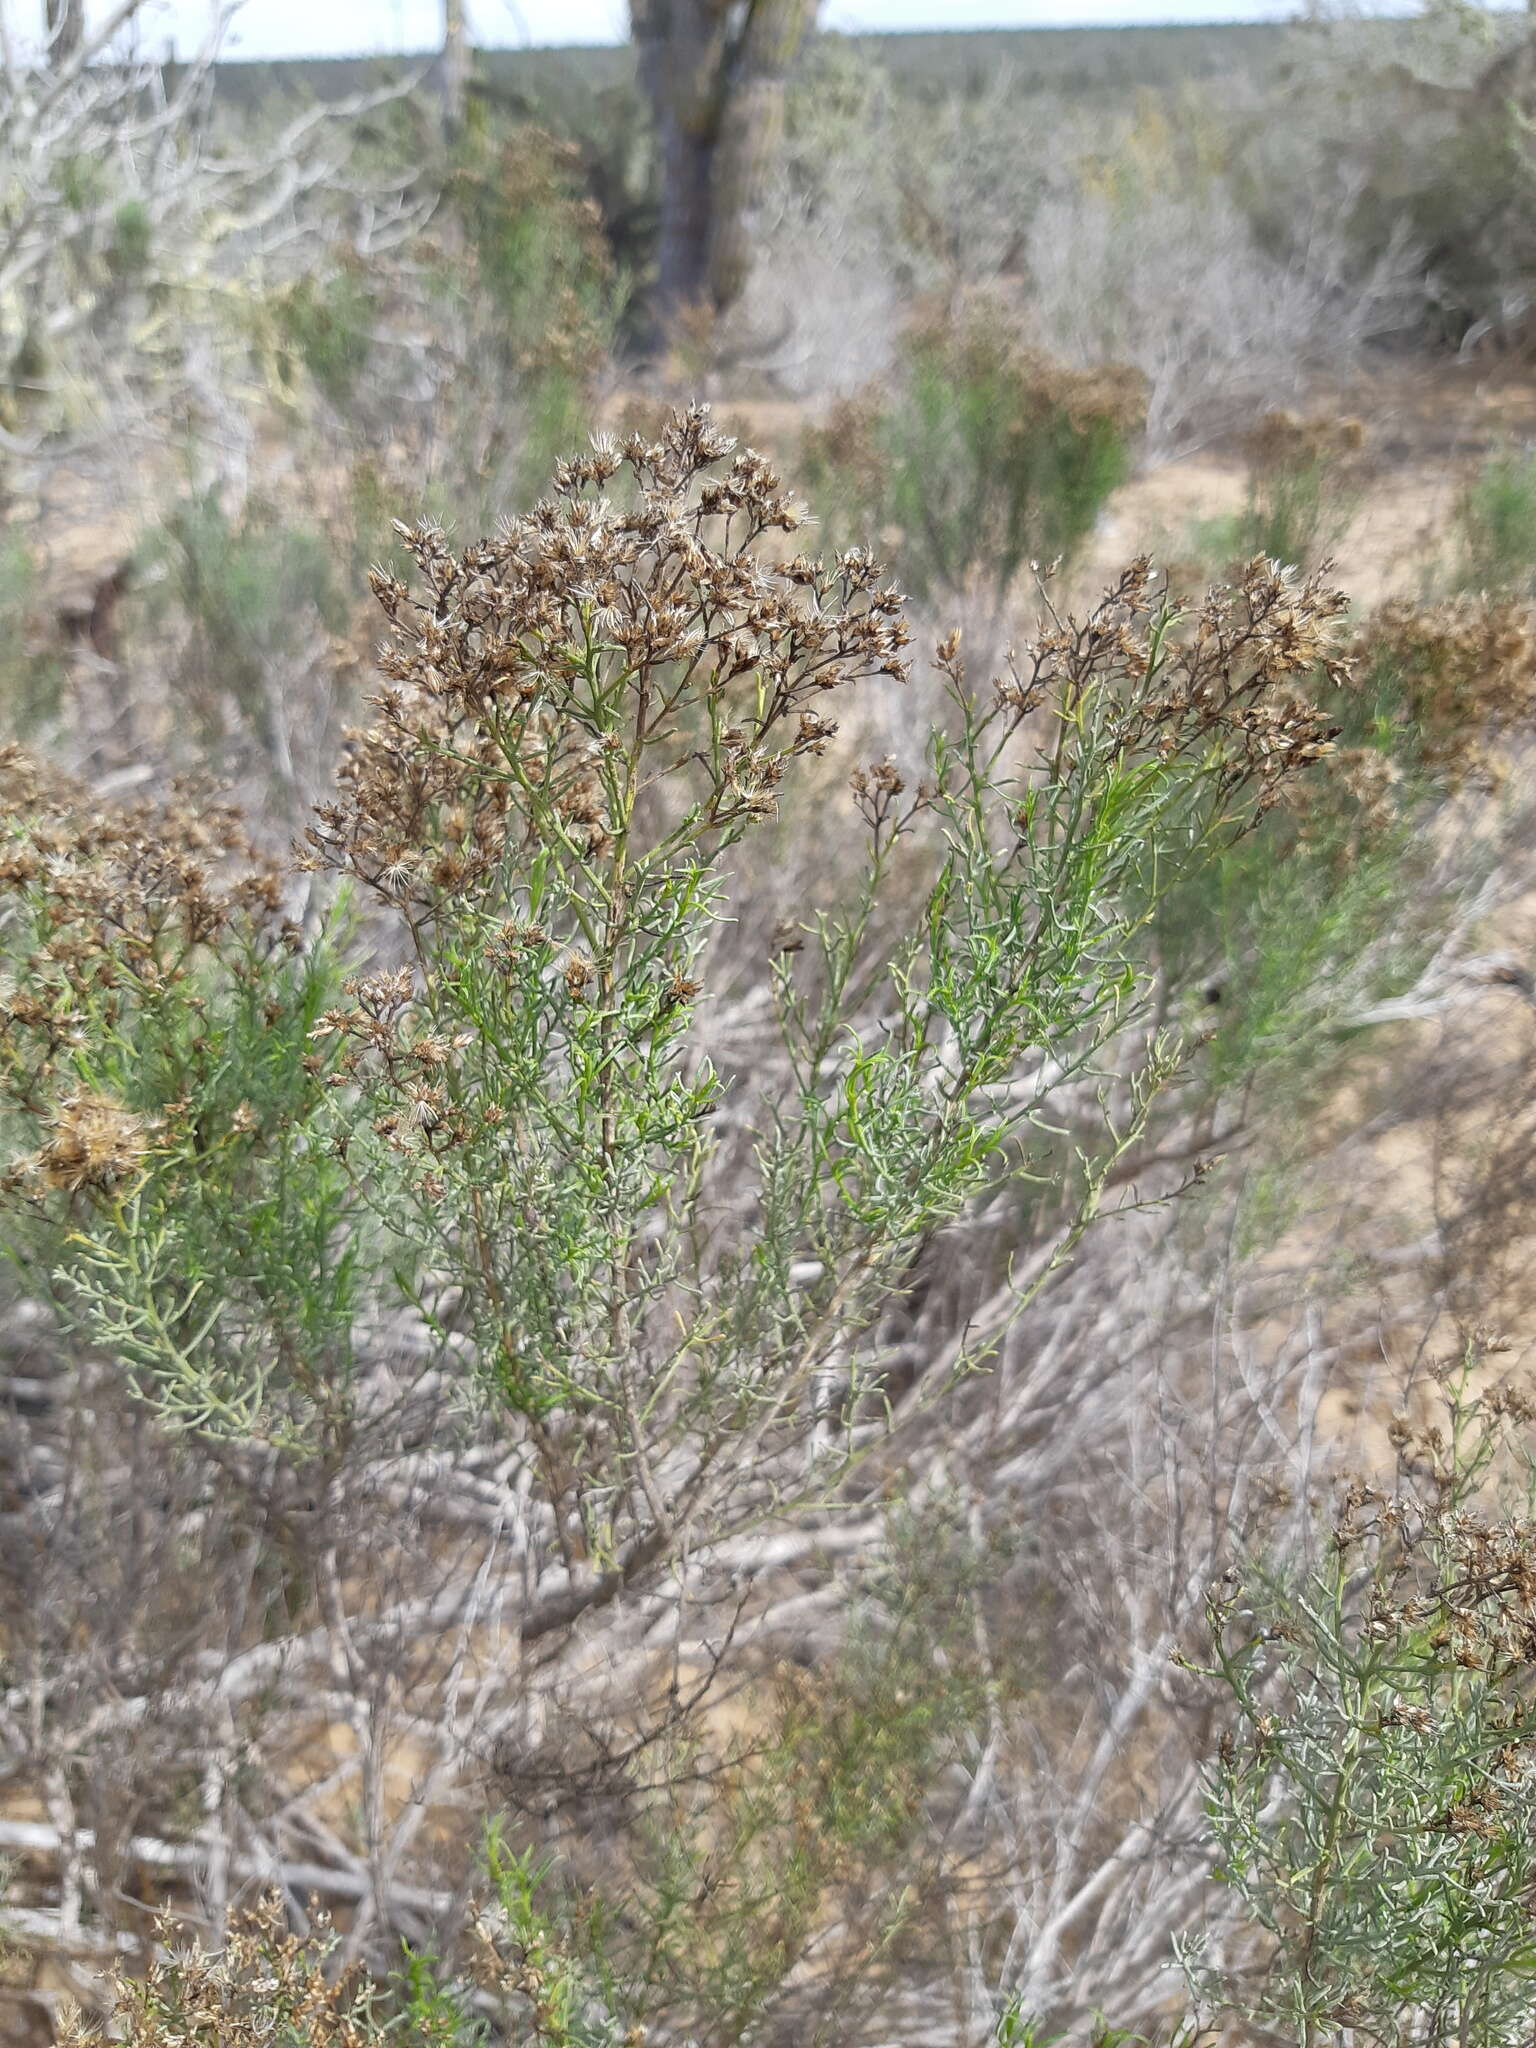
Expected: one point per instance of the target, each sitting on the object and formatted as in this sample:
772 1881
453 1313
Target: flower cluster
1466 671
1233 675
531 675
108 908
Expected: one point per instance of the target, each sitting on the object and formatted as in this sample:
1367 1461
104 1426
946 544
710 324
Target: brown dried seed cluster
1235 675
264 1984
1470 1581
118 904
93 1142
595 626
1467 668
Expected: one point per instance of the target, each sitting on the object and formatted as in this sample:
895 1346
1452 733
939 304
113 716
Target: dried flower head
535 670
94 1142
1229 680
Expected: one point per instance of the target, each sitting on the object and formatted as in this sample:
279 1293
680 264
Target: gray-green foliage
550 806
167 1177
659 1269
1372 1803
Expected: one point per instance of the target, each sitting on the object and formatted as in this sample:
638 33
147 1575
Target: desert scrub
266 1986
244 613
1304 480
158 1088
31 670
979 457
324 326
523 254
1442 685
488 1122
1371 1803
1493 528
1343 895
824 1801
658 1277
582 718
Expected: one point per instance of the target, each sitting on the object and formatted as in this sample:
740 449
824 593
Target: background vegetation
765 1057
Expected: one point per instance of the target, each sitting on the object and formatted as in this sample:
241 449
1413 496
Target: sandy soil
1427 429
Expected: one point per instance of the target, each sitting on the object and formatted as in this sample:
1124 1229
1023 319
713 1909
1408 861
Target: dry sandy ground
1427 428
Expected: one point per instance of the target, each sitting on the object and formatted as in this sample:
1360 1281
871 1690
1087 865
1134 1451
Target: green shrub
542 300
1303 490
1372 1800
486 1108
132 243
31 673
251 600
328 323
1494 528
582 719
983 457
1340 897
168 1183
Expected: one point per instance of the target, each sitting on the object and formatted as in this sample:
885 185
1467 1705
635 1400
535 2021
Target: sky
292 28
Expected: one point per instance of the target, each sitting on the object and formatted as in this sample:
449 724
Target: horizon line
1291 18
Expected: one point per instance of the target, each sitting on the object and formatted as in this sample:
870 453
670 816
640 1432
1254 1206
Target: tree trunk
65 20
455 66
714 73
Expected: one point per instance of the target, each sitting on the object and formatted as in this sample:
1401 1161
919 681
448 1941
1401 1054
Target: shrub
986 456
159 1077
251 605
501 1125
582 719
1372 1803
31 673
1442 684
1303 488
268 1987
542 300
264 1985
328 323
1169 275
1494 528
1345 893
818 1803
585 717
